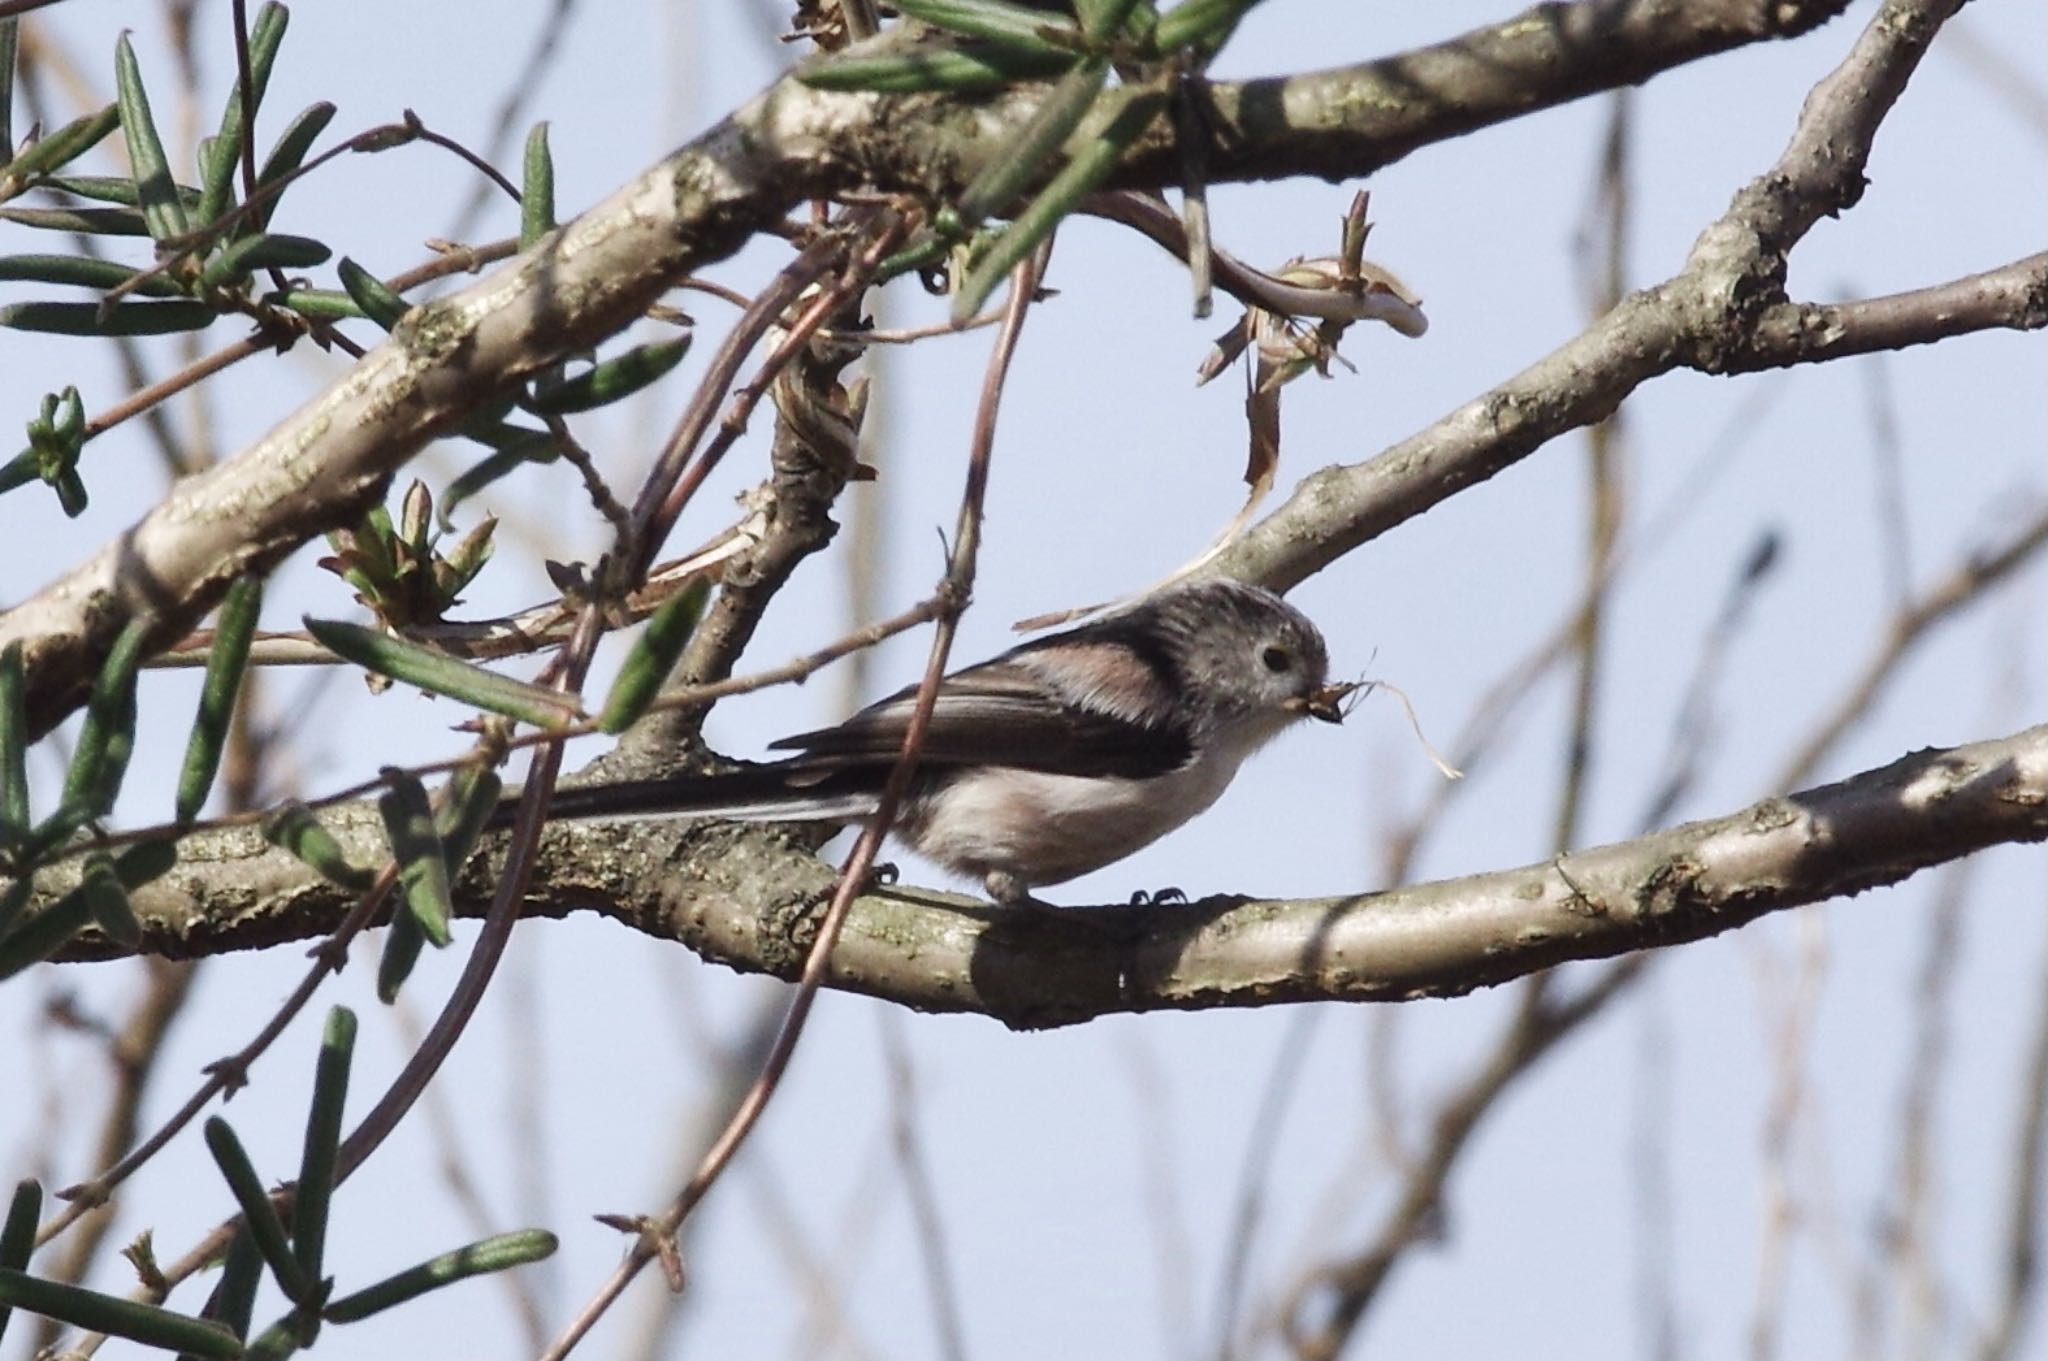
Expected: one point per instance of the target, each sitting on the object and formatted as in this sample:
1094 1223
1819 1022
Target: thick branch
2014 296
743 897
1724 312
1346 122
322 465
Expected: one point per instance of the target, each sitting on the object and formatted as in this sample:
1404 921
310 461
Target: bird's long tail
768 794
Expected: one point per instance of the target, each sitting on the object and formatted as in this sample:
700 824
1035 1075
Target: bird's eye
1277 659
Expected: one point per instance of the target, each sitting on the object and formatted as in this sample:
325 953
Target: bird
1060 756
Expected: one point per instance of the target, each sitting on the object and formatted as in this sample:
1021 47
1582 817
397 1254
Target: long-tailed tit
1056 758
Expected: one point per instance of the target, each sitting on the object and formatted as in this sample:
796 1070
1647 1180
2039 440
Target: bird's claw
1158 897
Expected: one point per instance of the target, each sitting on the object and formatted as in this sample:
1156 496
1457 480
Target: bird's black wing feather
998 714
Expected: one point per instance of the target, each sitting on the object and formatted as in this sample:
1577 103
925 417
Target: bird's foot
1158 897
1011 892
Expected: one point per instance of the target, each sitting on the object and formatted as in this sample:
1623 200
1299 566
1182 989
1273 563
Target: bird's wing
1000 713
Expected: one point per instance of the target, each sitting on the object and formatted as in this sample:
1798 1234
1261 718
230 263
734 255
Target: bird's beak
1322 703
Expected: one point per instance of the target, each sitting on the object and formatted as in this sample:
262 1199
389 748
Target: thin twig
915 1167
223 1075
532 75
853 875
1262 1146
1150 216
811 264
2020 1244
1964 584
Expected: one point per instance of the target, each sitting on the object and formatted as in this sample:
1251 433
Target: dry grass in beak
1326 702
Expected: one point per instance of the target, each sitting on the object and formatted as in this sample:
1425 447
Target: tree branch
1351 120
320 467
2014 297
746 897
1724 312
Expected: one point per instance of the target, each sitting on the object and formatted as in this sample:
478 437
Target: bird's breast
1046 828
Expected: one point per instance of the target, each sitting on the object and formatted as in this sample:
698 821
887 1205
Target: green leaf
1103 19
161 206
491 1254
45 933
613 379
1206 24
294 829
114 189
87 221
323 304
9 39
56 436
93 1312
323 1139
14 807
529 446
92 319
70 493
285 157
251 253
402 946
459 566
282 1338
101 758
653 657
257 1210
18 1234
1027 156
146 862
82 272
416 519
108 901
24 468
422 861
264 37
13 901
234 1298
537 193
226 662
441 674
1012 27
1081 175
63 146
967 68
378 302
471 799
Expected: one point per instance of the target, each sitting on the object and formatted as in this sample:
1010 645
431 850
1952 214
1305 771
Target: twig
1262 1145
798 333
223 1075
454 1161
1964 584
853 875
1254 287
1790 1007
671 464
792 145
532 75
915 1166
2020 1248
135 1052
1604 511
1340 1293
